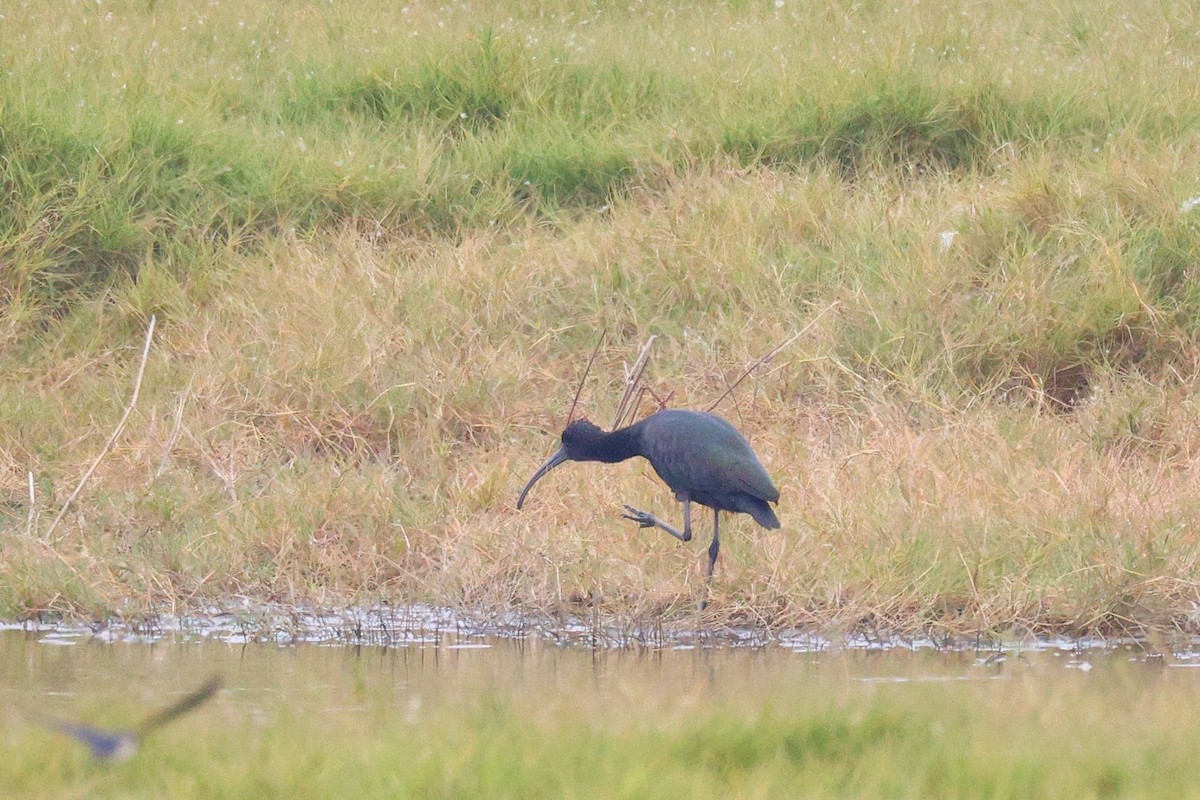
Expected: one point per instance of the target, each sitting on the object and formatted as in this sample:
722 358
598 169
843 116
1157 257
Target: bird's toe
642 518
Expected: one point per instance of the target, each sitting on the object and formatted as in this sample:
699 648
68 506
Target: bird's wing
755 481
186 704
726 471
705 455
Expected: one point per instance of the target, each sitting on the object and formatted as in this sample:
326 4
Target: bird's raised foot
642 518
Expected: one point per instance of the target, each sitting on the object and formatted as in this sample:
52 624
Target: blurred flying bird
115 745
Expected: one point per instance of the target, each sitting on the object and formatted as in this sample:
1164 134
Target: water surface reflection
73 673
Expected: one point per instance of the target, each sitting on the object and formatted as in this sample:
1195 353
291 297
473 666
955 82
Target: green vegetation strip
906 740
479 127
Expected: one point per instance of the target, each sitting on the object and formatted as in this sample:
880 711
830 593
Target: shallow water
434 660
449 708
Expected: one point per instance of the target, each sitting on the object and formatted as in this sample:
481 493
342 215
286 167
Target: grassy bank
380 244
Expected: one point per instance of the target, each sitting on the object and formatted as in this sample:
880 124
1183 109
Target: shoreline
424 625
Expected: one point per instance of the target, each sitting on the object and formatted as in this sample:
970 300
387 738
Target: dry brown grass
349 419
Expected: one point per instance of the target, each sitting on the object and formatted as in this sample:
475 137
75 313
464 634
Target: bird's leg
715 547
647 520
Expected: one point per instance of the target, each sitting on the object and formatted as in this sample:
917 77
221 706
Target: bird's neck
620 445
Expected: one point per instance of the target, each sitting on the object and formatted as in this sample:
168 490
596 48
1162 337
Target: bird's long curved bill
554 461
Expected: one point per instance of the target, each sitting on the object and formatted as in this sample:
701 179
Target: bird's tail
762 512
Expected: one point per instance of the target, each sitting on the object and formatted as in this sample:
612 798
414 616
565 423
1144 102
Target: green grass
381 242
236 124
414 724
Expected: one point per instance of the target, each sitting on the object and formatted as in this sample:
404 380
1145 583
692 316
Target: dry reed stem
32 507
633 377
137 387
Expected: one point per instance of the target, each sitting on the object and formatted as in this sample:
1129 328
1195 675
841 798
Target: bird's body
701 457
104 744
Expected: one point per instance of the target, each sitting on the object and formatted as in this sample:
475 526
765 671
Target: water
300 692
434 659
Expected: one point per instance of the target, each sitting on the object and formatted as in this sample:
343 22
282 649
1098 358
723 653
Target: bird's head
579 442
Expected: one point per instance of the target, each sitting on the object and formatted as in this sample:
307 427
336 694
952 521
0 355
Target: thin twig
137 387
32 506
771 354
632 378
165 462
583 380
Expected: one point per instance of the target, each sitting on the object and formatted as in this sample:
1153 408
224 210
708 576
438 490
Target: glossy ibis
701 457
107 744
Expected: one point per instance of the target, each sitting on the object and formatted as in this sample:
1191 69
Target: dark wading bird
701 457
115 745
